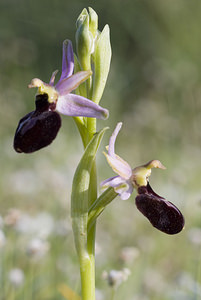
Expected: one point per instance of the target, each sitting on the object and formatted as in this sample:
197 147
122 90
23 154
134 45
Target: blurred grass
154 88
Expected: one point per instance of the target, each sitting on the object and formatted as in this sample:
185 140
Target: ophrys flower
161 213
40 127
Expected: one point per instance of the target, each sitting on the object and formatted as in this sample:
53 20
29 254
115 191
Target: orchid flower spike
40 127
161 213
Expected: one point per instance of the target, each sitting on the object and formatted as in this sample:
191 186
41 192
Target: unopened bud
93 22
84 40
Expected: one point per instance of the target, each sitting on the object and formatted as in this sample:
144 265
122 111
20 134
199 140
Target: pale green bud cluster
93 53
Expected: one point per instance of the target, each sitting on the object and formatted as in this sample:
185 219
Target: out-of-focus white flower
1 222
154 281
115 278
185 288
129 254
16 277
37 248
98 248
140 297
99 295
62 227
41 225
24 182
194 236
12 217
2 239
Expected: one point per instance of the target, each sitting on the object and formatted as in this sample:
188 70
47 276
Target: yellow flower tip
36 82
106 155
89 73
154 164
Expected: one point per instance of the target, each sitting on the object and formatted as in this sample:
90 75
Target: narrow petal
67 60
111 147
77 106
125 190
112 181
53 78
69 84
119 166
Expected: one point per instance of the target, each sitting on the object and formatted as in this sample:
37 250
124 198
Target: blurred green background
154 87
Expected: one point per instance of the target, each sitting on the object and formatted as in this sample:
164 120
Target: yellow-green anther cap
101 60
84 40
141 174
93 22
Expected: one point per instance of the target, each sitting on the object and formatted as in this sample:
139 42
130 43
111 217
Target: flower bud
93 22
93 49
84 40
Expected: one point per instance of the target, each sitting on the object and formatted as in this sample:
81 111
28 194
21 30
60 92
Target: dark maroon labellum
42 103
162 214
38 128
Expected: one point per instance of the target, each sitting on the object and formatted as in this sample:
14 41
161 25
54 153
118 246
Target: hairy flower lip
148 190
38 128
162 214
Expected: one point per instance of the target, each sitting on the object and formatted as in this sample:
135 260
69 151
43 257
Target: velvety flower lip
161 213
60 94
38 128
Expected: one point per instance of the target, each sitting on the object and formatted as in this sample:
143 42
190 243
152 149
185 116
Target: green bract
101 60
80 188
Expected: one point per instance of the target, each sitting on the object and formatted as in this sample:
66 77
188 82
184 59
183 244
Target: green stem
91 126
91 235
87 243
82 129
112 293
87 276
